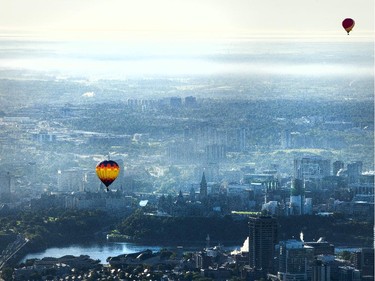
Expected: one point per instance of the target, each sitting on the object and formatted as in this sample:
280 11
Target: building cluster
262 257
192 161
43 152
312 190
299 260
53 268
315 188
115 202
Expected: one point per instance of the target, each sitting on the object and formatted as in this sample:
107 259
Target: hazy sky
185 18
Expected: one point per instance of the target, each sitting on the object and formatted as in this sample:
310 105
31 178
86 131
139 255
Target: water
95 250
339 250
102 250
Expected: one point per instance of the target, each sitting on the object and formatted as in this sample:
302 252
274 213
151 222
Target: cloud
88 94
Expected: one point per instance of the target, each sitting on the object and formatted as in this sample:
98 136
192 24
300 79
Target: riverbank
30 247
103 250
59 229
336 230
96 250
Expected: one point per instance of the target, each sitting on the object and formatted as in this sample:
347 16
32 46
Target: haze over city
226 119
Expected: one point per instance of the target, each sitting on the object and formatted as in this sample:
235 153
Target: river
96 250
103 250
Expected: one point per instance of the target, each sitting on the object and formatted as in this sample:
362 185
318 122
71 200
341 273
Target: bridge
12 249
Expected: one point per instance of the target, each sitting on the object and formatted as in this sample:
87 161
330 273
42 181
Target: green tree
345 255
7 273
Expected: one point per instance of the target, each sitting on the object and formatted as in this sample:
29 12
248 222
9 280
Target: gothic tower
203 187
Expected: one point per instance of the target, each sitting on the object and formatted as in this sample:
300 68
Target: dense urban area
291 179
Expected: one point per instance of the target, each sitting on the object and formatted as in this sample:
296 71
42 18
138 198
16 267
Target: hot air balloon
348 24
107 172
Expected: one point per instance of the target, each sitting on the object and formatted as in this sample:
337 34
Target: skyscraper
354 171
215 153
5 183
311 168
320 271
297 197
364 261
190 101
241 139
262 240
336 167
349 273
294 261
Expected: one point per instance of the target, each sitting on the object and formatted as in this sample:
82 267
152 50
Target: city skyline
230 121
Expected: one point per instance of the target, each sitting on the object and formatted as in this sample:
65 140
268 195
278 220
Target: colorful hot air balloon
107 172
348 24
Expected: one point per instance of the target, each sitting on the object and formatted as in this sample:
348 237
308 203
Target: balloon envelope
107 171
348 24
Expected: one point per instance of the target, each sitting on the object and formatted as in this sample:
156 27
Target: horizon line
174 35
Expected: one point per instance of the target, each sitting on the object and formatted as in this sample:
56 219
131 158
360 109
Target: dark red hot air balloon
348 24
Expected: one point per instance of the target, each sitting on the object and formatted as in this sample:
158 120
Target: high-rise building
190 101
354 171
263 233
5 183
312 169
241 139
364 185
320 271
336 167
285 139
215 153
364 261
294 261
181 152
297 197
321 247
175 102
349 273
70 180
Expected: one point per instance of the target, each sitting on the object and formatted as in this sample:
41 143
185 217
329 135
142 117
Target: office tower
321 247
190 101
364 261
215 153
263 233
308 206
312 169
5 182
354 171
297 197
181 152
348 273
286 139
241 139
320 271
294 261
175 102
336 167
70 180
